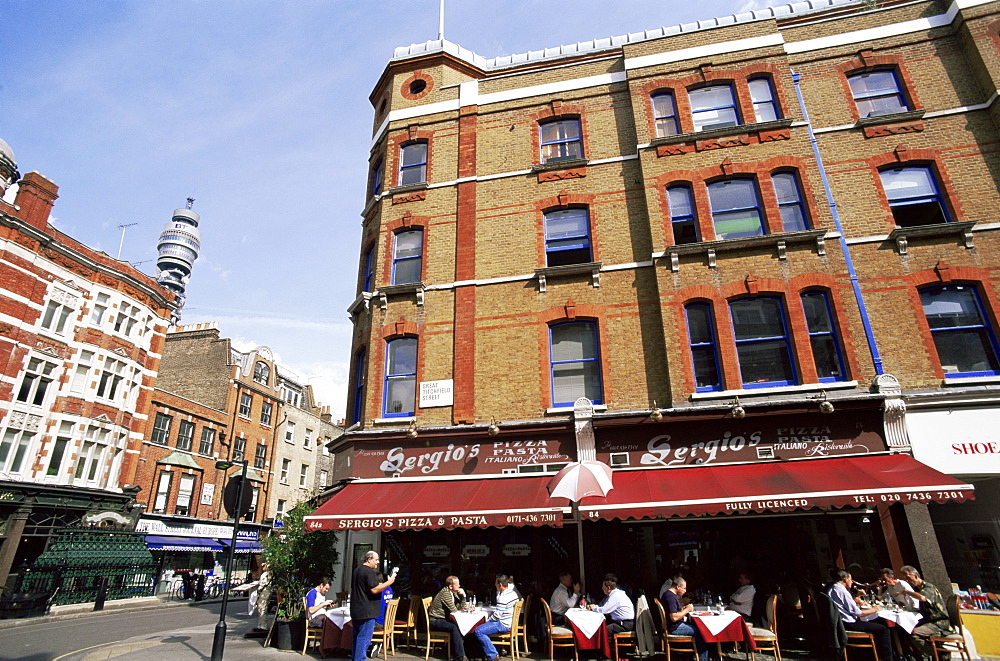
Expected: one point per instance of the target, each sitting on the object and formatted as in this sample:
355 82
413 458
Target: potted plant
298 560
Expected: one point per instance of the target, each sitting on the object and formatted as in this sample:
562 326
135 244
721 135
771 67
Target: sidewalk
73 611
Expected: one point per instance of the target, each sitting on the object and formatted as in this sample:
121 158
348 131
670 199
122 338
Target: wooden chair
558 636
407 626
509 638
313 634
624 639
861 640
669 641
767 639
342 597
431 635
521 632
384 634
954 642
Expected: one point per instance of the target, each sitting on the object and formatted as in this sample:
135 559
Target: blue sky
260 111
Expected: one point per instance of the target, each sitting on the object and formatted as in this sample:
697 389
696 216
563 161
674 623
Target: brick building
734 260
80 339
216 403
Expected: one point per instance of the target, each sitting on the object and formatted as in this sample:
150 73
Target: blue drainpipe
865 321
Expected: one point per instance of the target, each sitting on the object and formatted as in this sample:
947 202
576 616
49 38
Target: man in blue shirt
501 621
676 612
857 619
618 607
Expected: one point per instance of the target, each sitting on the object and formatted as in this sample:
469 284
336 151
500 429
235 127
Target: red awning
448 504
773 487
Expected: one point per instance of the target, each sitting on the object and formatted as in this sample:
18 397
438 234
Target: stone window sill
592 268
902 235
780 241
415 288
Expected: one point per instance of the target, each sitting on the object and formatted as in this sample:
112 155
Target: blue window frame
914 196
877 92
399 397
359 387
735 208
762 344
560 140
963 335
704 347
713 107
765 104
369 278
823 339
407 256
376 181
567 237
789 194
576 362
413 163
683 218
665 115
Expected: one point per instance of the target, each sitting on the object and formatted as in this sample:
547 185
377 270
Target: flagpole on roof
441 22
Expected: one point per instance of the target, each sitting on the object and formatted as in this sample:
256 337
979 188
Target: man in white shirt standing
741 601
618 607
565 596
502 619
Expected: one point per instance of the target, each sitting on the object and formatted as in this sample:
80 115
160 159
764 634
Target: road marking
63 656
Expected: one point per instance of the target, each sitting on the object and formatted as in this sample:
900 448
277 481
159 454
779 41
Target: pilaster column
15 528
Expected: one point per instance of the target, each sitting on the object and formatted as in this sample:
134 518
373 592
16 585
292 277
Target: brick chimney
35 197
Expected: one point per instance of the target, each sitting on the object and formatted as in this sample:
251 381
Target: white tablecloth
588 622
467 621
717 623
339 616
906 619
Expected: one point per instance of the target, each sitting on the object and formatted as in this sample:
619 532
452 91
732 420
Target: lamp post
219 642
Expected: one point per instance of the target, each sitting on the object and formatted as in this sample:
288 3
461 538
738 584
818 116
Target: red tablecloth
335 638
736 631
598 641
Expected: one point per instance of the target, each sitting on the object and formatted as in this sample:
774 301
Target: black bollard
102 593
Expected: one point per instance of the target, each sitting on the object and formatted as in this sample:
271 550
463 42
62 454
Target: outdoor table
590 630
338 632
902 618
467 621
727 627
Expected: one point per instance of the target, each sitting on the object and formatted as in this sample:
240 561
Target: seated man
741 601
565 596
618 607
501 620
896 589
317 603
450 599
676 613
856 619
934 620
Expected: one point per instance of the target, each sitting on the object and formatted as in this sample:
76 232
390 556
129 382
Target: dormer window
261 372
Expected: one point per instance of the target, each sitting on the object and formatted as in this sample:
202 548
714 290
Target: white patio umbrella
577 481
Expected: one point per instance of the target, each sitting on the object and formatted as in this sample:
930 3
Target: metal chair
767 639
669 641
433 636
558 636
510 637
313 634
954 642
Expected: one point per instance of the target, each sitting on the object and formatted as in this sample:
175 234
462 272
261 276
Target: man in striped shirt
502 619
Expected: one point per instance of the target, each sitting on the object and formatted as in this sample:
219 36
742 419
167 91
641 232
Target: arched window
914 196
735 208
704 349
789 194
665 114
560 139
765 104
963 334
762 344
413 163
683 219
877 92
576 362
713 107
567 237
261 372
399 398
407 256
823 338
